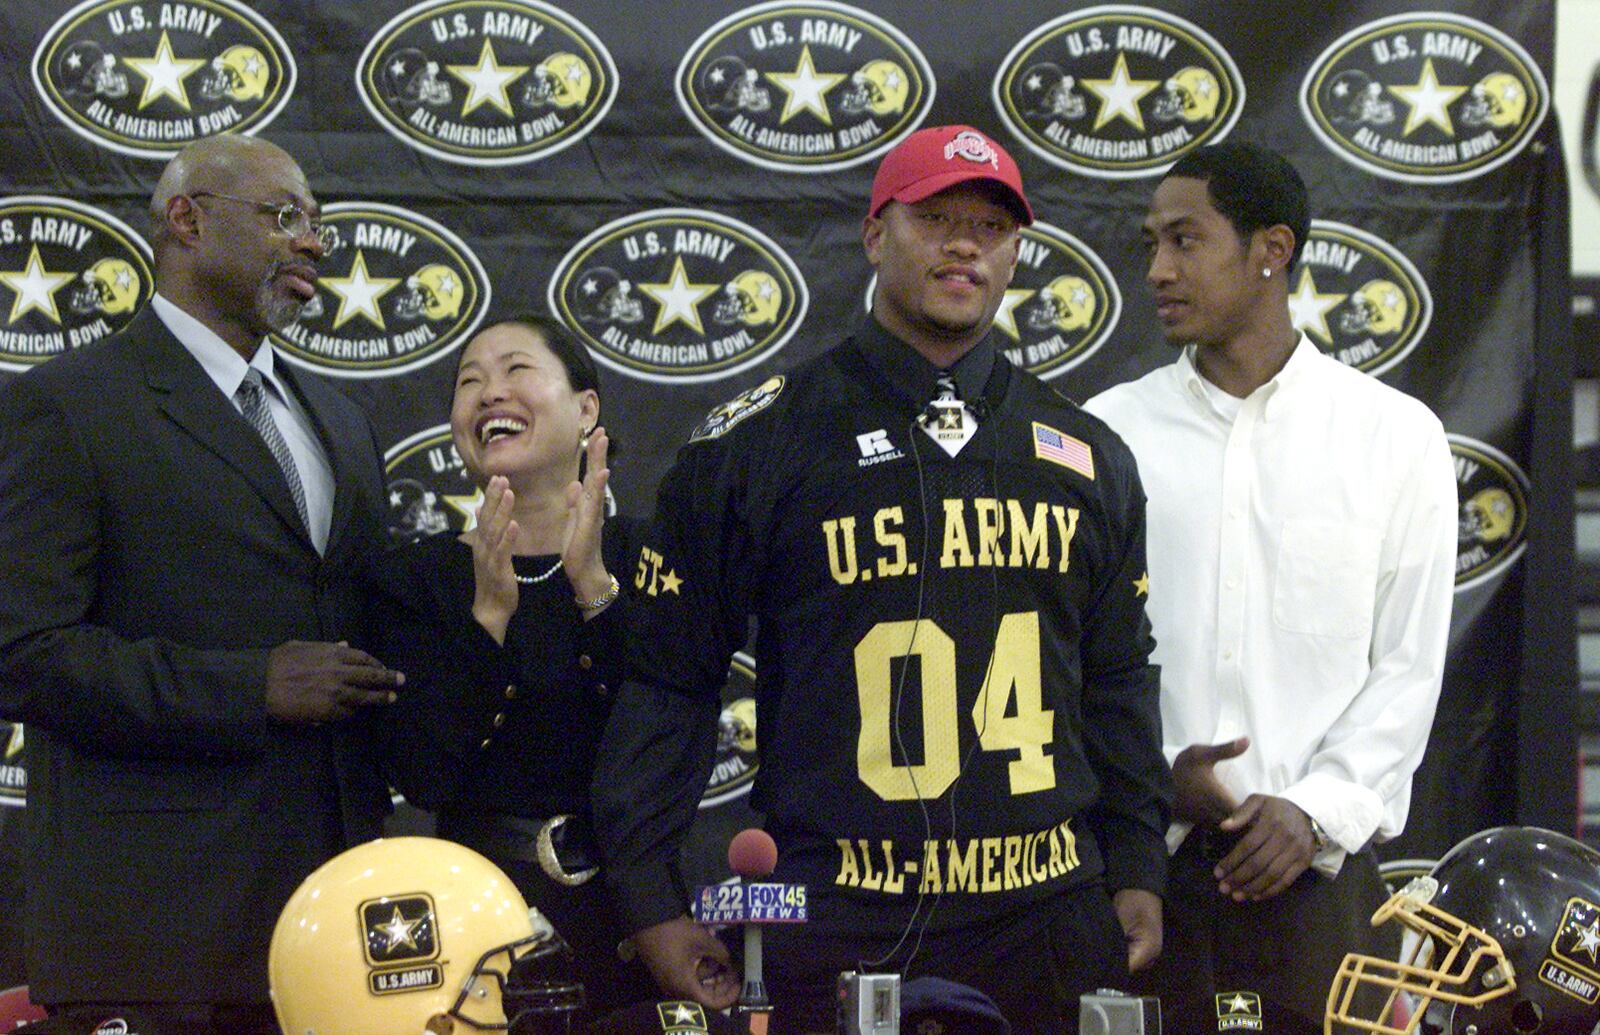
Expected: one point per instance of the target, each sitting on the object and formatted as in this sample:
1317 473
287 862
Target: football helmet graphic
751 298
110 286
240 72
434 291
1487 517
602 296
1353 98
1498 99
1497 934
1377 307
1047 92
1066 304
409 76
414 509
87 69
561 80
729 85
736 727
1191 95
879 87
411 934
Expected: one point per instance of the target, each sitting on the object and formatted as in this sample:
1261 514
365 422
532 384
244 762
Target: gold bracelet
602 600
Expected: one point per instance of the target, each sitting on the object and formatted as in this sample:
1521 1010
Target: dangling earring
583 440
1266 272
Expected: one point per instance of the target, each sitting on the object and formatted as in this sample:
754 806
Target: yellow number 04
1013 671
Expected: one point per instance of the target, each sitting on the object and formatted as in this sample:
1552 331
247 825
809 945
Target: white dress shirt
227 368
1302 560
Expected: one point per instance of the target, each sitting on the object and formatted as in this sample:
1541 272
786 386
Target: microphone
751 902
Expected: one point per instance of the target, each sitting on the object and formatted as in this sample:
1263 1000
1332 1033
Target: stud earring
1266 272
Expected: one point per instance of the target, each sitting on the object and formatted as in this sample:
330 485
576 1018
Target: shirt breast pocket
1327 579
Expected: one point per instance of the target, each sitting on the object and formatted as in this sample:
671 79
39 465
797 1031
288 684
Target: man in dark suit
181 520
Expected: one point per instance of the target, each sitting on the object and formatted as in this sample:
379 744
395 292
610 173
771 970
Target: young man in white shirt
1302 542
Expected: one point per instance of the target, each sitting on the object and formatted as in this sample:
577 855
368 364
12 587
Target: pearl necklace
534 580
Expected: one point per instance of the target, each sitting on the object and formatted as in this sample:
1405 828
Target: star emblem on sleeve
1141 585
670 581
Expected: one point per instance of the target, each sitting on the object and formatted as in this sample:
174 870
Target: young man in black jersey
960 746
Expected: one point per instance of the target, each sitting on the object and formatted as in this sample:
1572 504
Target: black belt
563 846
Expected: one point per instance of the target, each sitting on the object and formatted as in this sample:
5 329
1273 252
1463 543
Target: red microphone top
752 853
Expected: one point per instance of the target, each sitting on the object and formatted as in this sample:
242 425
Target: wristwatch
1319 836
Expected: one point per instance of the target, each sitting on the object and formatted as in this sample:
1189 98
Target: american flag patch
1050 444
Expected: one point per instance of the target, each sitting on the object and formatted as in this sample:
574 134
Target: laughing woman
510 635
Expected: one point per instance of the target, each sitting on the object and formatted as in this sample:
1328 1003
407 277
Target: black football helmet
1502 937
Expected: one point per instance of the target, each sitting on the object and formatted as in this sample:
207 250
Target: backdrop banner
683 186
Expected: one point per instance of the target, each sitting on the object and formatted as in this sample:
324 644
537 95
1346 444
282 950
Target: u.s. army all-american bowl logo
430 489
738 758
1425 97
147 78
70 274
679 295
1116 92
486 82
1061 306
1358 298
1493 494
395 292
804 87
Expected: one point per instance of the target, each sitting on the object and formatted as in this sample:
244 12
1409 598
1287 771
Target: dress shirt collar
912 375
221 363
1294 371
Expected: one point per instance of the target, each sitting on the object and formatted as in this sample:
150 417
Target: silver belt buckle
544 848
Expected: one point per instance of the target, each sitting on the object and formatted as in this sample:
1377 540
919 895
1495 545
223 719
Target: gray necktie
253 403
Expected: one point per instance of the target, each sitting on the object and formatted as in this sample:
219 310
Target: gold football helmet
433 291
736 727
561 80
753 298
240 72
1499 100
1066 304
111 286
1377 307
879 87
1191 94
404 934
1488 516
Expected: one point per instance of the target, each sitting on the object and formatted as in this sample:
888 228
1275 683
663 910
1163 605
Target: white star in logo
1589 940
35 288
1119 95
1239 1004
399 930
164 75
1309 308
487 80
15 745
359 293
1429 101
806 89
683 1013
678 300
1005 317
467 507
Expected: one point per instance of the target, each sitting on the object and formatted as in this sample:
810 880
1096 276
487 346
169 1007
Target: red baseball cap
934 159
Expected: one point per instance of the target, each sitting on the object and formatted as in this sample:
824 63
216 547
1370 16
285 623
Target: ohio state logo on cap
972 146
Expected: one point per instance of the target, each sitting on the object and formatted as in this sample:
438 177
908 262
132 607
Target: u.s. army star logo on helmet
145 79
1425 98
1493 495
679 295
396 291
804 87
1358 298
1118 91
70 274
486 82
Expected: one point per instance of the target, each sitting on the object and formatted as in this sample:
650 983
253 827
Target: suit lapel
340 440
188 396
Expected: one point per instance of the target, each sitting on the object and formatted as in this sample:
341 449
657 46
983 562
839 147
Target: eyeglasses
292 219
986 231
